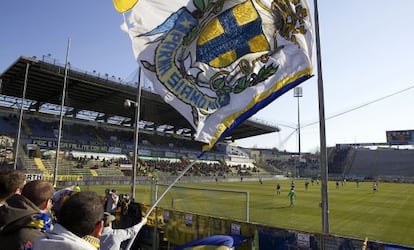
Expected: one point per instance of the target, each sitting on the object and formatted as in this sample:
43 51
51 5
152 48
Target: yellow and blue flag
215 242
219 62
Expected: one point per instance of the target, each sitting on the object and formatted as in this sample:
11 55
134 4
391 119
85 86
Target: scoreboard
400 137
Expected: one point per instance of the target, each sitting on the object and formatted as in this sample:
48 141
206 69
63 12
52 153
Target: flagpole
323 152
131 241
55 169
16 152
136 134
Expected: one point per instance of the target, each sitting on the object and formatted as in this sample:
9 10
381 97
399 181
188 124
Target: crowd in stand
174 168
282 164
121 138
32 218
97 162
76 131
6 149
310 162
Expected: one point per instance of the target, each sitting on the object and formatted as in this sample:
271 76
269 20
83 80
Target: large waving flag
218 62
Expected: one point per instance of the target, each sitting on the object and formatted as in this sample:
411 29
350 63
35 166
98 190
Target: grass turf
386 215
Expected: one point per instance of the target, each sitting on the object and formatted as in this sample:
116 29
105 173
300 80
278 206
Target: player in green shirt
292 196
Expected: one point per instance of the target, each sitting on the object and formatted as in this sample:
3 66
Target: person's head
76 188
82 214
107 219
11 182
40 193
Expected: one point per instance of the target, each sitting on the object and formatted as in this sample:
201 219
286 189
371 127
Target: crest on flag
232 34
220 61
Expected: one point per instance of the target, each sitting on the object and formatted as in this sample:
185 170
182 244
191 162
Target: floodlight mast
297 92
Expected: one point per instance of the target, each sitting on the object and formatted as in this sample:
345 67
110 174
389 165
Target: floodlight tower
127 104
297 92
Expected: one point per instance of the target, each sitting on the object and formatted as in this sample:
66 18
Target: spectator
107 199
112 199
40 193
60 196
77 188
11 182
123 206
25 217
111 239
79 225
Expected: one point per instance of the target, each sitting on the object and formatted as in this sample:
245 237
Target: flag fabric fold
218 62
124 5
221 242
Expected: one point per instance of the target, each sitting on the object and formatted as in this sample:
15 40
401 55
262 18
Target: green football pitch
386 215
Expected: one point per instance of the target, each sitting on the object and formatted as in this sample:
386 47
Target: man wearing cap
111 239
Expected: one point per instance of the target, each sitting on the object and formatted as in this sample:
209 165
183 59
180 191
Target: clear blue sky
367 53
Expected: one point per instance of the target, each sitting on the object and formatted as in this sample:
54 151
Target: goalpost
232 204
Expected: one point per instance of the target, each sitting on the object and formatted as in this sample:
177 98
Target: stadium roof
103 94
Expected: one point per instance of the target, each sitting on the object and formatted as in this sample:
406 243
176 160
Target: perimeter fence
186 214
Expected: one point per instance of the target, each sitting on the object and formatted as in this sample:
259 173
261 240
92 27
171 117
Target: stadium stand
97 125
78 161
97 136
8 122
382 162
371 163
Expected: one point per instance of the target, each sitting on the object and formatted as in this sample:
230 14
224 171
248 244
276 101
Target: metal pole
55 169
16 152
247 207
155 236
136 132
298 159
323 151
299 128
131 241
